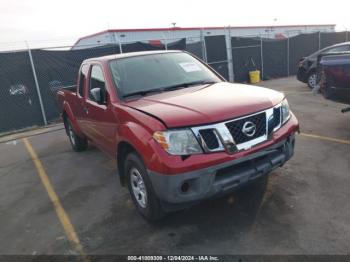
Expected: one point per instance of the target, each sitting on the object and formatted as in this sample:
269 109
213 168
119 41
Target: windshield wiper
144 92
187 84
168 88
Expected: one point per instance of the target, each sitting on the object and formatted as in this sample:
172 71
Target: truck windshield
145 74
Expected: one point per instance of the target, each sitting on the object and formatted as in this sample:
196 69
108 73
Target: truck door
80 101
100 120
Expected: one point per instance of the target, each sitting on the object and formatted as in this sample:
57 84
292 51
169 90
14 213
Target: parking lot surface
303 208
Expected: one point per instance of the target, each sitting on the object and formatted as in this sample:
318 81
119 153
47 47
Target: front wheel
312 80
141 190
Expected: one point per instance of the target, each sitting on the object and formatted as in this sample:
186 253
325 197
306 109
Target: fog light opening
185 187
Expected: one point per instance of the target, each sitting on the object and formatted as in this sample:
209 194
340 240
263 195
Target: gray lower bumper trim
221 178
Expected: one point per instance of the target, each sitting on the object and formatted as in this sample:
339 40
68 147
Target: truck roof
131 54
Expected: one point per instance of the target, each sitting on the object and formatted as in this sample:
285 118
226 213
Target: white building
193 34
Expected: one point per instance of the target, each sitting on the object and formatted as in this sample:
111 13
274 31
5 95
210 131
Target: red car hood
206 104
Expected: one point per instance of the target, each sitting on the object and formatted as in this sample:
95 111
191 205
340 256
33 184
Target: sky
61 22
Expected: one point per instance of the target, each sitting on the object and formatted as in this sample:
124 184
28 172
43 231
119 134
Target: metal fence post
319 40
346 36
229 54
261 57
204 48
36 84
114 39
166 41
288 72
120 46
119 42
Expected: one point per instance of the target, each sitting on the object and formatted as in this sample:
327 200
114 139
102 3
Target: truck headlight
285 111
178 142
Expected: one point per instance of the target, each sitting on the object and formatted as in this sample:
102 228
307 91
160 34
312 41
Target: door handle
86 109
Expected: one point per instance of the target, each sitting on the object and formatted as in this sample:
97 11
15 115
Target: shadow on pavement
220 218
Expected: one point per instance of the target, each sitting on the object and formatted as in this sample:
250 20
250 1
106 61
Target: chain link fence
277 57
19 101
30 79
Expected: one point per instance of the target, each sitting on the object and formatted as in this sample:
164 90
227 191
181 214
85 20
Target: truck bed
66 94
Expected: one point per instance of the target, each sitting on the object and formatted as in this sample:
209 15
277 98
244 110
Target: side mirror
97 95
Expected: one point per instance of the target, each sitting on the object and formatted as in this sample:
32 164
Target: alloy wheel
138 187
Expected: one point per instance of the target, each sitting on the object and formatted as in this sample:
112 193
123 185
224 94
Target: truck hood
206 103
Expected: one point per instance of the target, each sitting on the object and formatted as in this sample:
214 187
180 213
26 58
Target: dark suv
307 66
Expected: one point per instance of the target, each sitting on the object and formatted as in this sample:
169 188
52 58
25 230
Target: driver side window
97 80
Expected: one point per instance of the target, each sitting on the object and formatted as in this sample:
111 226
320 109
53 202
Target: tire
312 80
78 143
141 190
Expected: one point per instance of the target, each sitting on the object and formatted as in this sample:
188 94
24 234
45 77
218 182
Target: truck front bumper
223 178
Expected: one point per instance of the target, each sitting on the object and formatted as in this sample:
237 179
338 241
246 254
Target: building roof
131 54
192 28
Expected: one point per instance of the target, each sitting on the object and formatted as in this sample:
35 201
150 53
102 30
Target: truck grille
239 134
236 127
210 138
274 120
276 116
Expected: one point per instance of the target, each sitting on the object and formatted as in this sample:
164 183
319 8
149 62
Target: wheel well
312 71
123 150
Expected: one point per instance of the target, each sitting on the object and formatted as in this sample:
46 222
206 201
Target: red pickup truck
179 132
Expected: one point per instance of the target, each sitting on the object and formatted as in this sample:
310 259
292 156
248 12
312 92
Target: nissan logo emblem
249 129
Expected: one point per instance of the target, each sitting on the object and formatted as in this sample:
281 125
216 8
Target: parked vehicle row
307 71
328 70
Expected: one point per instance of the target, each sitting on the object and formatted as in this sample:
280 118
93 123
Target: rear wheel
141 190
78 143
312 80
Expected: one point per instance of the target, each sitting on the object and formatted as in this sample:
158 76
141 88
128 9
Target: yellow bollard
254 76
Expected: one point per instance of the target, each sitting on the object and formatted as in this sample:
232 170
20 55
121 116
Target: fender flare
69 113
138 139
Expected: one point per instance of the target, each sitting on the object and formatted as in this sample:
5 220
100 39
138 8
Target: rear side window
82 79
